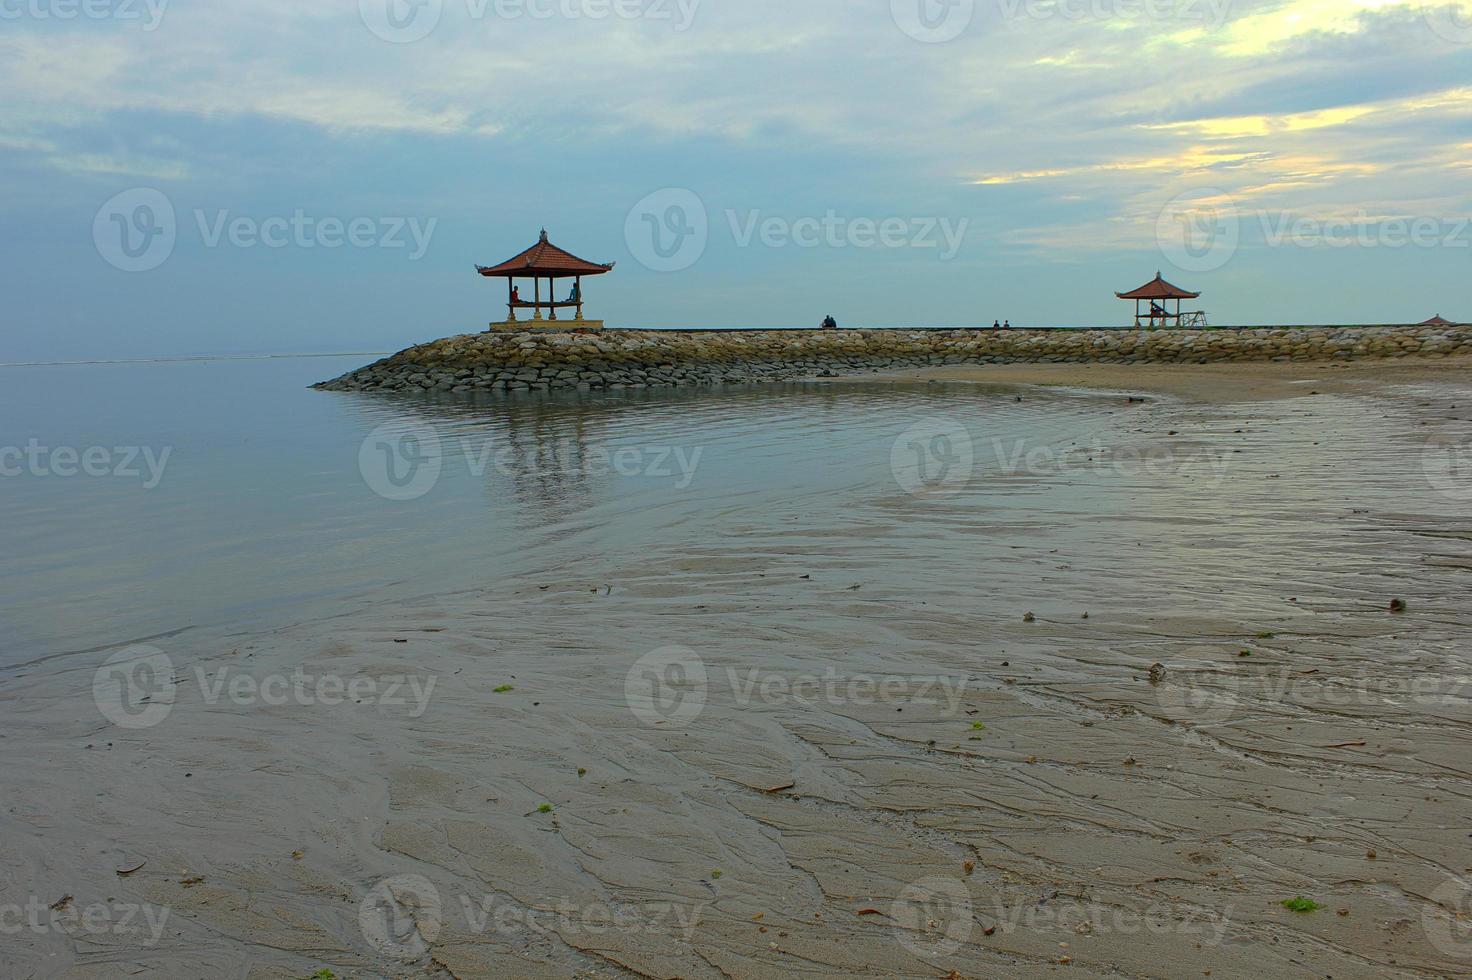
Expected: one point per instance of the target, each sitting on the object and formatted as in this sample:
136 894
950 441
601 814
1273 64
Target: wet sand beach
1097 709
1217 382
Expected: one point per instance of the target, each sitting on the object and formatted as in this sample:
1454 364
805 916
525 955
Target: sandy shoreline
818 753
1221 382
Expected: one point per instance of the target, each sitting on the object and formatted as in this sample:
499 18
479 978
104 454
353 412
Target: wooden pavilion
1158 293
545 261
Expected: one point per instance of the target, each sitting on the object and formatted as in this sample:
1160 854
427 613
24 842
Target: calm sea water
159 496
228 494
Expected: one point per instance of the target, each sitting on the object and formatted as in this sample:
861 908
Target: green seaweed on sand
502 689
545 808
1301 904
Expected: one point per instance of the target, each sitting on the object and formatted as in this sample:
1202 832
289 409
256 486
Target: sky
182 177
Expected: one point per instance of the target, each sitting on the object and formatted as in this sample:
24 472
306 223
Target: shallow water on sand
235 496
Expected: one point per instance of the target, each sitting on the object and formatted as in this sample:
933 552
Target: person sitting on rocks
996 324
829 323
1007 325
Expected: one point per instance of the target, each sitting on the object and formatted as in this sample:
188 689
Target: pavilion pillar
578 284
537 298
552 297
510 305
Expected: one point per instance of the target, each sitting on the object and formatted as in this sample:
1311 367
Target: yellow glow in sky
1260 33
1190 158
1231 127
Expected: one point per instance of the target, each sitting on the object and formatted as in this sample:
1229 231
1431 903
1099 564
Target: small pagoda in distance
1158 293
545 261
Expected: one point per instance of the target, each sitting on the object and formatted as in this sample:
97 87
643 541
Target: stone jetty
659 358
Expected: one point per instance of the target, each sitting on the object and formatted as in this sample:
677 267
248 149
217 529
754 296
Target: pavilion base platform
545 326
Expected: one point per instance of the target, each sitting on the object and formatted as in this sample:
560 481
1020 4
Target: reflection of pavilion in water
546 453
553 454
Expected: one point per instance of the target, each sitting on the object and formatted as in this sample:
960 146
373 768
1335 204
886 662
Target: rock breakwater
656 358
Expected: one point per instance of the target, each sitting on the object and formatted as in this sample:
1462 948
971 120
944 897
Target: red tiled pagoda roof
1158 288
1438 321
547 261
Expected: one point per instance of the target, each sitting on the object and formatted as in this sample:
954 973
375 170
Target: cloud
1088 113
